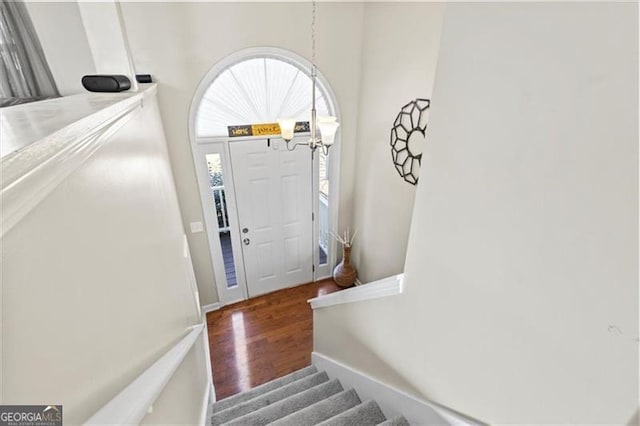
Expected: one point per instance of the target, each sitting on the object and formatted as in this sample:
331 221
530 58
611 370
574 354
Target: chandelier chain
330 124
314 140
313 34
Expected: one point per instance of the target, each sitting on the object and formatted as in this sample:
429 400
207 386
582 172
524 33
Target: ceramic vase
344 274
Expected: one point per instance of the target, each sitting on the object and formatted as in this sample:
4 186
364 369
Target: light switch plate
196 227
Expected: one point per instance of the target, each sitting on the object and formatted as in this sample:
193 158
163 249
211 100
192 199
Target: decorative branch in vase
344 274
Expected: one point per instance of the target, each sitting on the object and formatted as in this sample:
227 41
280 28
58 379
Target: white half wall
399 55
94 283
521 281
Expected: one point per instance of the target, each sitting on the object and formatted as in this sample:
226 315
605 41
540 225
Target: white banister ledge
41 143
133 402
389 286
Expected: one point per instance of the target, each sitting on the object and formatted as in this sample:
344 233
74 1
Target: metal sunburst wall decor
412 118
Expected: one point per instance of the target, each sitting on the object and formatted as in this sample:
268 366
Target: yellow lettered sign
264 129
267 129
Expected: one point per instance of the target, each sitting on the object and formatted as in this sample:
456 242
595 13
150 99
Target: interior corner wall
177 43
521 281
399 54
107 38
64 41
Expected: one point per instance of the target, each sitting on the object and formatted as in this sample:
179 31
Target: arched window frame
198 142
244 55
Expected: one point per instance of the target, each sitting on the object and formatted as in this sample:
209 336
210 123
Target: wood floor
258 340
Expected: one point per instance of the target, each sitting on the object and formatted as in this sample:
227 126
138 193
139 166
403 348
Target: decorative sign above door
407 137
264 129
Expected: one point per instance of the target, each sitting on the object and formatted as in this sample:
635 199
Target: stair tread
396 421
321 410
289 405
264 399
365 414
225 403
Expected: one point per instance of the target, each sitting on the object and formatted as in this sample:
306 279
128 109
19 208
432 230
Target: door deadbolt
245 230
246 241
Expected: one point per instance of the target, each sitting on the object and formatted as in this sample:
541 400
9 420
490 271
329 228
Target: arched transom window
257 90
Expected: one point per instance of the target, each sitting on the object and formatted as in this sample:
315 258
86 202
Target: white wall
399 54
521 300
95 286
179 43
64 41
107 38
81 38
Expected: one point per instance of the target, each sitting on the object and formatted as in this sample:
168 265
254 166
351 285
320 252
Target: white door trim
333 200
225 295
334 165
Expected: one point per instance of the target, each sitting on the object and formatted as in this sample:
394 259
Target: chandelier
326 125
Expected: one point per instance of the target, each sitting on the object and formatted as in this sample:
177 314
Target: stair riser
305 397
322 410
223 404
288 405
268 398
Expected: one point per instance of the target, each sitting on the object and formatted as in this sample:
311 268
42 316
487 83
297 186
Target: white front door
273 189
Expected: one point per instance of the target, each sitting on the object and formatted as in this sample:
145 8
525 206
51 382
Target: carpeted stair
304 397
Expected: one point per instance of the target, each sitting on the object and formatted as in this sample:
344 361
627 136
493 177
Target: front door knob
246 241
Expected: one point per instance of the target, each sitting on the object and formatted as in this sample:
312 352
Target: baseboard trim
204 410
211 307
392 401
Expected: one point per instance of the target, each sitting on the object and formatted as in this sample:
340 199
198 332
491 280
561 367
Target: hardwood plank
260 339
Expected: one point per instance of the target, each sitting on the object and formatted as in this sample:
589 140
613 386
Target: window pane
218 195
258 90
324 175
324 207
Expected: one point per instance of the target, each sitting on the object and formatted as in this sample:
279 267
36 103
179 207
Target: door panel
266 261
292 255
273 192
